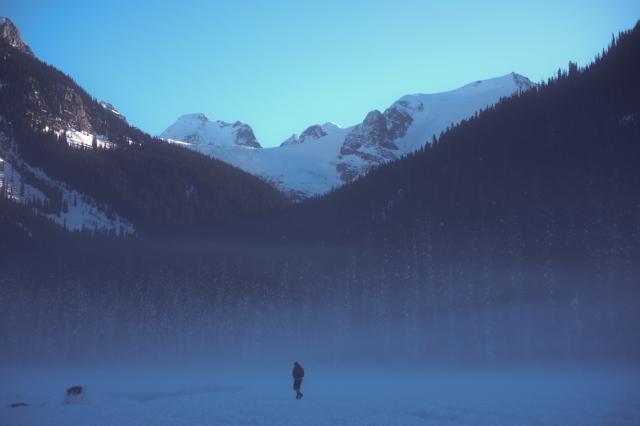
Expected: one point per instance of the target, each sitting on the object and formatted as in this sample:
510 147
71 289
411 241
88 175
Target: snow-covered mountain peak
413 120
294 139
10 34
409 103
509 81
326 156
313 132
521 81
197 128
196 118
330 126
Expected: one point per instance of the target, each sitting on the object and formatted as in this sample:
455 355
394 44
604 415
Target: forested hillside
553 168
158 187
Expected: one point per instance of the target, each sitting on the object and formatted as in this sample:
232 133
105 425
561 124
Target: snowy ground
372 396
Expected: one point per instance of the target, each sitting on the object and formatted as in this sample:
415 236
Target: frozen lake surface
358 396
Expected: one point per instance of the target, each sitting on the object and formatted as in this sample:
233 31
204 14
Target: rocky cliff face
373 142
49 100
244 135
113 187
10 34
58 107
413 120
109 107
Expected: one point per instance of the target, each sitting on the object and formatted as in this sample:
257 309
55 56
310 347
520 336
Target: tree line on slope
138 300
159 187
556 165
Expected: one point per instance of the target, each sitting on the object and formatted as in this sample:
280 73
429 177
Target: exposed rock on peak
109 107
411 121
371 142
244 136
326 156
200 130
315 131
522 82
11 35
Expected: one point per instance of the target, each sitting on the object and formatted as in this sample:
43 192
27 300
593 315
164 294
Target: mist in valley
407 333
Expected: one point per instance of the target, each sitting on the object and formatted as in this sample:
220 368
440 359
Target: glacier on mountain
326 156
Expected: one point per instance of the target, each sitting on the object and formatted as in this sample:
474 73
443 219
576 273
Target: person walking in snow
298 374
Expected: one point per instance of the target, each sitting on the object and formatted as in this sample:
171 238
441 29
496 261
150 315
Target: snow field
346 396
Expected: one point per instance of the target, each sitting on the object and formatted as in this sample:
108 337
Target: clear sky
283 65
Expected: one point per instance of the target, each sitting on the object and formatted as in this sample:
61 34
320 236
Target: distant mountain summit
11 35
326 156
198 129
313 132
413 120
554 169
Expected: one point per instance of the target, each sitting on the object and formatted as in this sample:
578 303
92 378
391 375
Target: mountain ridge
76 161
11 35
552 169
327 156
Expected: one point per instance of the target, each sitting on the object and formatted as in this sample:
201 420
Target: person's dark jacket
298 372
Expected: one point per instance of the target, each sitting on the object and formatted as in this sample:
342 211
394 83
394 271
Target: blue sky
283 65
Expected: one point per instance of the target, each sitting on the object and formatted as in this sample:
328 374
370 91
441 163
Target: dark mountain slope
159 188
557 165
